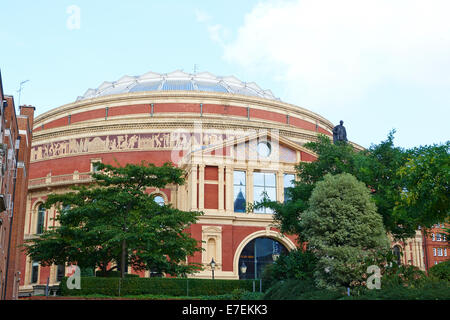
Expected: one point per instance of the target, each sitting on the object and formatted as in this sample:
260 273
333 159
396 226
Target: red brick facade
16 135
436 245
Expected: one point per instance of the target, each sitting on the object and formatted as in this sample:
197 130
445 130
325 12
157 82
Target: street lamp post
213 265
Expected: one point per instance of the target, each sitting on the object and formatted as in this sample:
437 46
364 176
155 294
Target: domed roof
178 80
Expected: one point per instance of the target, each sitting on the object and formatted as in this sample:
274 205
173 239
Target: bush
305 290
300 290
247 295
296 264
440 271
344 228
157 286
113 274
431 290
404 275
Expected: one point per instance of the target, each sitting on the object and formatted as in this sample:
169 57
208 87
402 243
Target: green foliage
426 174
343 229
295 265
306 290
158 286
440 271
112 274
300 290
429 291
378 169
400 182
332 159
248 295
403 275
115 219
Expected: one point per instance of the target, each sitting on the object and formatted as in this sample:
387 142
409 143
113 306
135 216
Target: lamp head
243 268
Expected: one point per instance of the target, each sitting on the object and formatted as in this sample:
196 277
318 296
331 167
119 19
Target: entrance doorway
257 254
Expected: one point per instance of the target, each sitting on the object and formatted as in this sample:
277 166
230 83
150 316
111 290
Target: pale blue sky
377 65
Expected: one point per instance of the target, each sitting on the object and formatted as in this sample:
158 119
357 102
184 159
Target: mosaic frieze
150 141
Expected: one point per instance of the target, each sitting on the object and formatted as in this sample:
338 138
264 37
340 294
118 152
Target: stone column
193 187
229 188
280 185
249 186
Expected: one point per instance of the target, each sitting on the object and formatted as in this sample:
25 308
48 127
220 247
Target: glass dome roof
178 80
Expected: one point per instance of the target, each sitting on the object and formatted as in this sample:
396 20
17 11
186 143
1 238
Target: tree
426 175
297 264
333 159
378 168
388 171
343 229
117 220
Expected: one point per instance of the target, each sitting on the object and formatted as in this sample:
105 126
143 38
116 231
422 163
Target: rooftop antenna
20 89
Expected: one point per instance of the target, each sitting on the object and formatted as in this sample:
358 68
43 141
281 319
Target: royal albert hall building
234 140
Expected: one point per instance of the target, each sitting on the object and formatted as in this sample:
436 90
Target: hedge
306 290
440 271
156 286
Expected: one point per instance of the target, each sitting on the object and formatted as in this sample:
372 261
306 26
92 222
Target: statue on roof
339 133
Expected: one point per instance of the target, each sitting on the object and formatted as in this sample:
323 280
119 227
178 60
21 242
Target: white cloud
217 32
202 16
329 52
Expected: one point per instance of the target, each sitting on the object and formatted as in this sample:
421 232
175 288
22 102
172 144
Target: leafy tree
388 171
117 220
440 271
426 175
332 159
342 228
297 264
378 168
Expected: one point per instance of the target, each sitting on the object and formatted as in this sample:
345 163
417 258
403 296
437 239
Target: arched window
256 255
159 199
397 253
40 219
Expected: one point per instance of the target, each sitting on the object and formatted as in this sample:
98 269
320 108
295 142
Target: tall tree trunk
124 258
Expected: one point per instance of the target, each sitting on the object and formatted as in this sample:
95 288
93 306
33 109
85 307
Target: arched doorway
257 254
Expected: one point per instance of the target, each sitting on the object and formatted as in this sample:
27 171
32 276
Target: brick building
234 140
436 248
15 137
